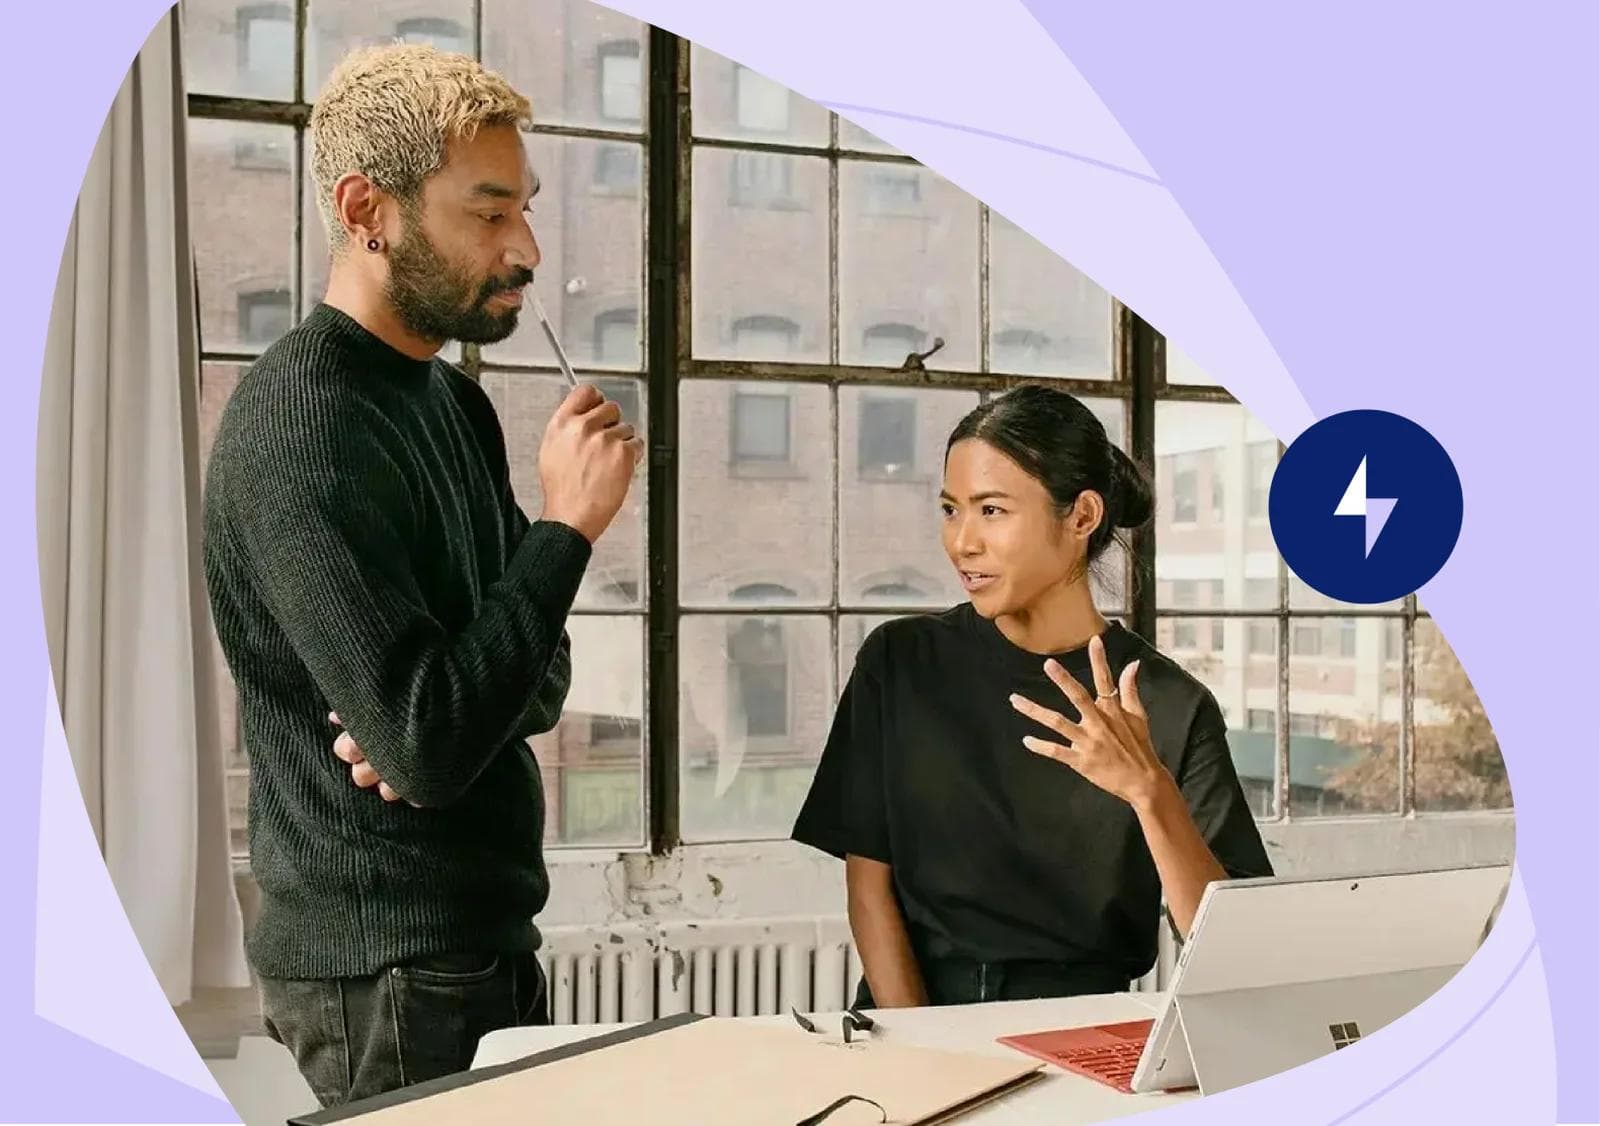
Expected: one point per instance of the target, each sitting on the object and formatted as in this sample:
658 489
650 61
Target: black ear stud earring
374 245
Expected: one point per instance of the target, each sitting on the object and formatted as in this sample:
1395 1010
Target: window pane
906 262
524 402
616 337
1045 318
314 258
856 139
336 27
761 426
853 631
754 525
238 786
264 315
435 31
1201 453
1261 462
1261 638
1246 687
733 102
591 240
621 88
593 762
1344 748
891 455
1183 370
740 299
578 63
755 704
240 169
1458 763
1303 597
239 50
890 344
217 384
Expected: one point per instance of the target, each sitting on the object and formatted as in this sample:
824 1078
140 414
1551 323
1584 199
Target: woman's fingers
363 775
1046 717
1077 693
1104 684
386 792
1046 749
1132 706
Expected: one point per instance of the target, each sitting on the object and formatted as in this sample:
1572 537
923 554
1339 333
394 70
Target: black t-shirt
998 853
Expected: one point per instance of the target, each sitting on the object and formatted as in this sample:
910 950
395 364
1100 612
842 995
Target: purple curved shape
993 135
1442 1048
1400 225
1403 228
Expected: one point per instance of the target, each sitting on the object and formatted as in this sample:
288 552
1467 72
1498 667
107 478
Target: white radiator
641 970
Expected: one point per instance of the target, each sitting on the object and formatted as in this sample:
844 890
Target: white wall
780 878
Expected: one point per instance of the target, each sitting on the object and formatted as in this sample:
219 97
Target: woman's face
1006 538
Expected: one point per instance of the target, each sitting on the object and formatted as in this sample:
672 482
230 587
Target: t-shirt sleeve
1215 798
844 812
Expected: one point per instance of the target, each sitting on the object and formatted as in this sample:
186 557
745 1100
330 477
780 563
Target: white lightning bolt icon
1374 511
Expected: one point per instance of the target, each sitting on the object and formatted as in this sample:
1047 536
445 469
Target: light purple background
1378 205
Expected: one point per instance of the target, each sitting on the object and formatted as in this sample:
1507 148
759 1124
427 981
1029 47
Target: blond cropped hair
389 112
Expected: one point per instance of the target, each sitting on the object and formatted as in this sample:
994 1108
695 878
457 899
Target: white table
1060 1098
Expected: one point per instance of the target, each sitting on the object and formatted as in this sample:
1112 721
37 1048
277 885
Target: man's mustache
518 278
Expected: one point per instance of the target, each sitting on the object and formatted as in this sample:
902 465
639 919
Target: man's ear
362 207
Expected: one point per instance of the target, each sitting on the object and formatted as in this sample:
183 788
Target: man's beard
438 301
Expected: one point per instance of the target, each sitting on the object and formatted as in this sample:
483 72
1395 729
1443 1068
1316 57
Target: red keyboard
1113 1066
1107 1053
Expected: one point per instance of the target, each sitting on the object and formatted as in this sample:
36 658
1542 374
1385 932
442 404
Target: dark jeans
959 981
353 1038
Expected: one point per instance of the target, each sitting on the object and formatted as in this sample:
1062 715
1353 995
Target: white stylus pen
550 335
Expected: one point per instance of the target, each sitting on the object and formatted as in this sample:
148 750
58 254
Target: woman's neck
1060 620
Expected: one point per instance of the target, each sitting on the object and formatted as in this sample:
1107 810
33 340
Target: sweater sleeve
324 515
550 697
544 709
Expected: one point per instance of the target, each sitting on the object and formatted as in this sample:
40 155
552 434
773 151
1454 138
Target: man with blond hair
390 616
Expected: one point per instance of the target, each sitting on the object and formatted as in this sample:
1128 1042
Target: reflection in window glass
760 426
1459 766
1046 318
1246 690
916 271
1344 726
755 702
580 64
755 487
621 78
739 298
891 450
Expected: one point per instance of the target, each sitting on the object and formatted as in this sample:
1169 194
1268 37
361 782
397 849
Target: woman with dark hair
1015 784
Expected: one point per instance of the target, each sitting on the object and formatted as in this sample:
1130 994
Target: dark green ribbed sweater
365 556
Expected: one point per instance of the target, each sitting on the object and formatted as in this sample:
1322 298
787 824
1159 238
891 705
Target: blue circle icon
1365 506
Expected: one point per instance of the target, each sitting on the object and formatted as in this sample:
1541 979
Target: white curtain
119 537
